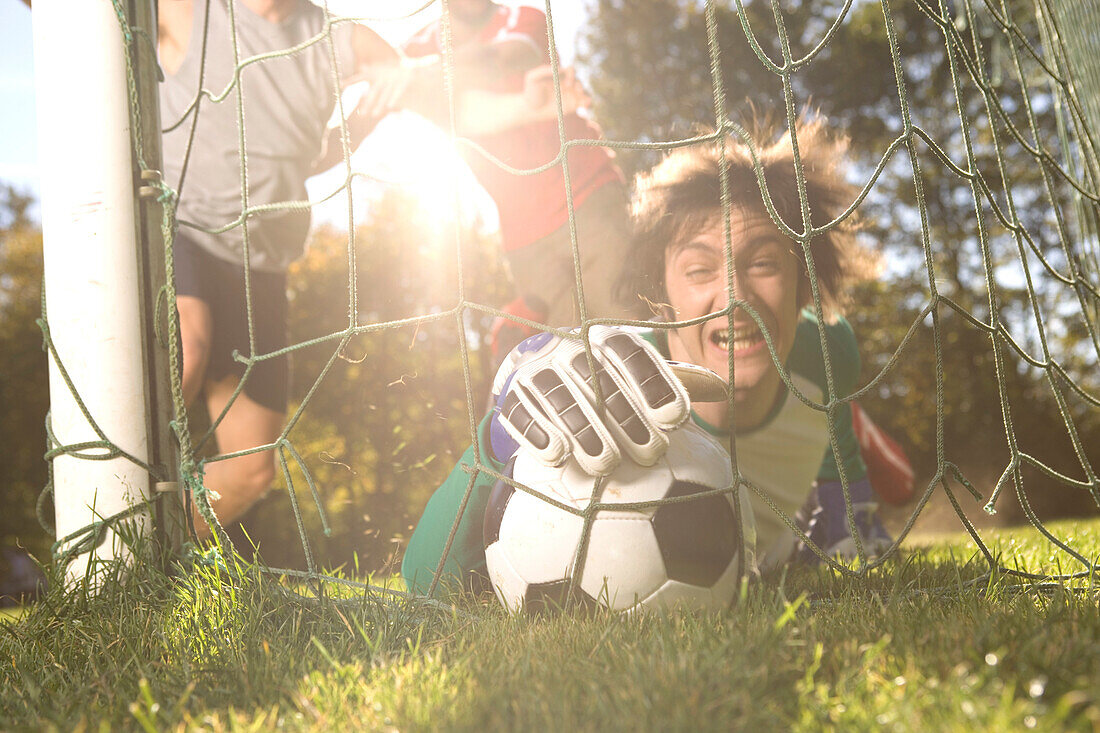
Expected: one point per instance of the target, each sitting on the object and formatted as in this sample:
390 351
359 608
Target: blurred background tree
24 391
387 421
649 70
380 430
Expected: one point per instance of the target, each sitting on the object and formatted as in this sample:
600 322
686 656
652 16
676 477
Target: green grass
925 643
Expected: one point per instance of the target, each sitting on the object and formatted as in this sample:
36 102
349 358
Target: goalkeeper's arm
465 558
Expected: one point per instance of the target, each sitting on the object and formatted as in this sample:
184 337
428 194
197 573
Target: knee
195 340
254 475
240 483
196 348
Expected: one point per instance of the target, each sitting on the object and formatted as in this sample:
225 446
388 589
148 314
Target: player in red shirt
500 50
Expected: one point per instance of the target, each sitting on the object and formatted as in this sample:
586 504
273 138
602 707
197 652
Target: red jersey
530 206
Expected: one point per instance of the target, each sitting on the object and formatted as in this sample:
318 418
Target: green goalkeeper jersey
782 458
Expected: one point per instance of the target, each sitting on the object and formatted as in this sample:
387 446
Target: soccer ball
684 553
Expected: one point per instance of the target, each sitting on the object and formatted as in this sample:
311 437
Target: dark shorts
220 284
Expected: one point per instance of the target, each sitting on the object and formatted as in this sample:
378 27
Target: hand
481 112
538 92
383 96
545 402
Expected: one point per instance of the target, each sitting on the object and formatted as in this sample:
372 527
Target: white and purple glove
545 402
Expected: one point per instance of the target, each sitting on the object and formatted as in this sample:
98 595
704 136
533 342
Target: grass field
925 643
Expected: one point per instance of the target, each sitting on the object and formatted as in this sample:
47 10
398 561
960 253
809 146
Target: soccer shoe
828 524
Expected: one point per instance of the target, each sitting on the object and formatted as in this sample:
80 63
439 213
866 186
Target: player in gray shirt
287 102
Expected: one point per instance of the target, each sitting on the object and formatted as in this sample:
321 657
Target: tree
380 430
24 391
650 72
384 421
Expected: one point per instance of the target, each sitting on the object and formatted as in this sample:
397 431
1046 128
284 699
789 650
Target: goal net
975 131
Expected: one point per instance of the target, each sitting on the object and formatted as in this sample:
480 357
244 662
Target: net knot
211 557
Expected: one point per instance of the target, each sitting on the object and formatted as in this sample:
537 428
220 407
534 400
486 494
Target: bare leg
239 481
196 329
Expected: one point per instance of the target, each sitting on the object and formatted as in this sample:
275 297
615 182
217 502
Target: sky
18 141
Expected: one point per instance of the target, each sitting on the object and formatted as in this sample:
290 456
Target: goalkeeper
678 263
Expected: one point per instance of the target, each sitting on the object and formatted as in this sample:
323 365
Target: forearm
479 112
479 69
429 542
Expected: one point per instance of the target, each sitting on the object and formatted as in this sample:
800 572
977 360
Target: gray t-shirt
288 100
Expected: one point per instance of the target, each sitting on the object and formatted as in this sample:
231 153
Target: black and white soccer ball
675 554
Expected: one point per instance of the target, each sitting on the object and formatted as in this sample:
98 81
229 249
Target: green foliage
24 391
384 411
984 108
387 413
930 642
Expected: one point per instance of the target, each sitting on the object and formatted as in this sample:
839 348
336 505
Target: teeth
743 337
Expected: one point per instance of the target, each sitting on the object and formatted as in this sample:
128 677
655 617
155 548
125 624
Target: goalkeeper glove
545 402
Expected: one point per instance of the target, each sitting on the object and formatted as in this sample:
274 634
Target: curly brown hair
682 194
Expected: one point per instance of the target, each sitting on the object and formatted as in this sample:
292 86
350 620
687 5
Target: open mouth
740 338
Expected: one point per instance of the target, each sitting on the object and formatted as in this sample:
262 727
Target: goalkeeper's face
766 278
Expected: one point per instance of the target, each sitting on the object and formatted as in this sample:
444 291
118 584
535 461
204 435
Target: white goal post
94 264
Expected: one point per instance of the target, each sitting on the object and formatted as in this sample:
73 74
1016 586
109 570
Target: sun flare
408 153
